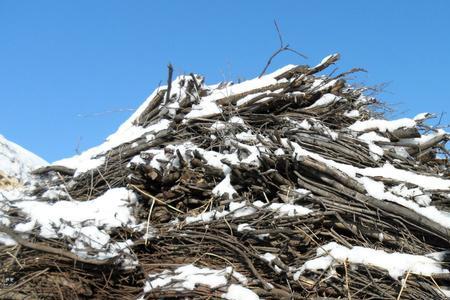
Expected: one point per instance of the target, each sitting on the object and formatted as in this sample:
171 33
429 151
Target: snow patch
325 100
126 133
87 222
17 162
397 264
383 125
187 277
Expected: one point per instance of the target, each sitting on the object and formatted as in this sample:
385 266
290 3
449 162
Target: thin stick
347 285
403 285
148 221
217 256
228 224
437 285
15 258
281 49
104 179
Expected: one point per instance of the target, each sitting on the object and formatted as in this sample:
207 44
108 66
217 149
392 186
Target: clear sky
72 71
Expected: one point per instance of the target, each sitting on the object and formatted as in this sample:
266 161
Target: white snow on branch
325 100
382 125
187 277
109 210
376 189
125 134
396 264
87 222
242 209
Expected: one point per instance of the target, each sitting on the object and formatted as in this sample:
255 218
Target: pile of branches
279 118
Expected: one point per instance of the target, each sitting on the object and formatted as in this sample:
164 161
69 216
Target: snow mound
16 163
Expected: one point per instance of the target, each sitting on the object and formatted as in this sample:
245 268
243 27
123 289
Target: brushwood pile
291 185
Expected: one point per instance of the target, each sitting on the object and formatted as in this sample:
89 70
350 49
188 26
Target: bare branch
281 49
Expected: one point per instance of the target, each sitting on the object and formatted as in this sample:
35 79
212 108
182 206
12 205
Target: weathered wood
55 168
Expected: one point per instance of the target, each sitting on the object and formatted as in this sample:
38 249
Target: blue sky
72 71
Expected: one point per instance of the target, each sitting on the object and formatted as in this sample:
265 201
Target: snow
396 264
326 58
246 136
84 165
402 152
208 106
319 127
369 138
252 157
305 125
236 120
187 277
92 237
241 209
425 138
302 191
289 210
248 98
377 190
382 125
55 194
244 227
17 162
372 136
204 109
425 181
238 292
422 116
314 124
218 125
387 170
325 100
137 160
6 240
279 152
87 222
256 83
352 114
415 193
213 158
224 187
268 257
126 133
283 209
109 210
323 83
444 291
375 151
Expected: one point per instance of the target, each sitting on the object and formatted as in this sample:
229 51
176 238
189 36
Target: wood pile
257 177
